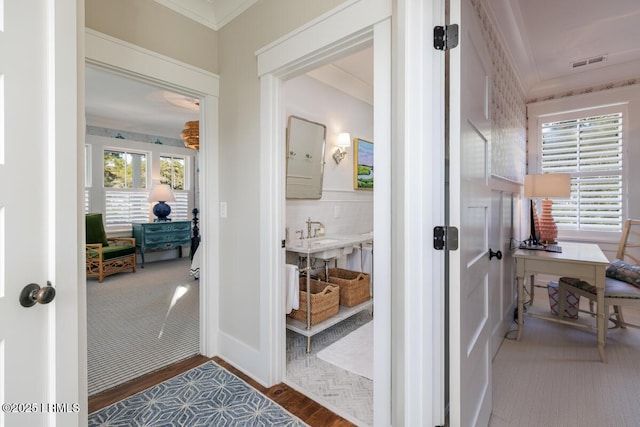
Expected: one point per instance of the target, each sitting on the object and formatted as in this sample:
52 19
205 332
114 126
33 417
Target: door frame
117 56
347 28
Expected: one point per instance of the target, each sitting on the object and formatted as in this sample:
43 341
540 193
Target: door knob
33 293
497 254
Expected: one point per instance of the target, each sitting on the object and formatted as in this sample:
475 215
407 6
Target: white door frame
124 58
347 28
418 339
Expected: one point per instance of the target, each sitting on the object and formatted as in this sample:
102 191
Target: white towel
354 259
361 259
292 288
367 260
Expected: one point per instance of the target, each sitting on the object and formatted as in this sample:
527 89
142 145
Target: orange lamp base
548 230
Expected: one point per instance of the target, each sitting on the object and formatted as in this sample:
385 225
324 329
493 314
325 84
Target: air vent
590 61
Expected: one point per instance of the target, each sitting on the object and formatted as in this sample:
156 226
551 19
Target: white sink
324 241
316 246
328 247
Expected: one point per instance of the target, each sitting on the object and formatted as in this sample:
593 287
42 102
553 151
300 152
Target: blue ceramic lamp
161 193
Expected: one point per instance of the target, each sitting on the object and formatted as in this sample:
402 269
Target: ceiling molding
344 81
603 76
542 46
506 18
212 13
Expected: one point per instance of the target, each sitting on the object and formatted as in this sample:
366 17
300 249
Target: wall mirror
305 158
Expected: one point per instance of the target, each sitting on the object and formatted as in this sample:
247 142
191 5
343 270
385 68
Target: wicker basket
354 286
325 299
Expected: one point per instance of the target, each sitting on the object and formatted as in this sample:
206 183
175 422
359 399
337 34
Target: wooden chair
617 293
106 256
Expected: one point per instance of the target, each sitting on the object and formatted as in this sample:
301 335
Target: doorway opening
276 65
134 64
332 361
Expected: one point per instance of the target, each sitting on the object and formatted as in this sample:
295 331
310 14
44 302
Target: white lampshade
344 140
548 185
162 193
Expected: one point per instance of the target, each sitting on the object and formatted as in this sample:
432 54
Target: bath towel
361 260
292 288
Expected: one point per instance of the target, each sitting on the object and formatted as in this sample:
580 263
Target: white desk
584 261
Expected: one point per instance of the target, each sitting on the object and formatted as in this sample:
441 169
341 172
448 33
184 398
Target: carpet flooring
140 322
553 376
207 395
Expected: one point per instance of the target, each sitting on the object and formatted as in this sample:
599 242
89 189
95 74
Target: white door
39 378
470 211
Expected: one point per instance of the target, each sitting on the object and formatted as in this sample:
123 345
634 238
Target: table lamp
547 186
161 193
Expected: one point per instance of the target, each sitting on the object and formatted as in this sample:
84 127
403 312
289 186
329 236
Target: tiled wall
340 212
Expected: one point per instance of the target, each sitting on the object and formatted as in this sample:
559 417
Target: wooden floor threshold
308 410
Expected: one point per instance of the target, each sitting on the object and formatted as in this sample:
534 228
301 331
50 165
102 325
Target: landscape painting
362 164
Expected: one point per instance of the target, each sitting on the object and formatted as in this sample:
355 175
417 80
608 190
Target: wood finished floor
293 401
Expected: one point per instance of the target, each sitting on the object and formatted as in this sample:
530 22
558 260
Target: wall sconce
344 141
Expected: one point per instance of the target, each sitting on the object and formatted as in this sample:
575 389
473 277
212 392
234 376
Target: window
125 187
172 172
590 149
125 170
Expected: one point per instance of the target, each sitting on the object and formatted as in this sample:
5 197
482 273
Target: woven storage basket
325 299
354 285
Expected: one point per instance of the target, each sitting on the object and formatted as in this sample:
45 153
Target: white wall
240 327
341 209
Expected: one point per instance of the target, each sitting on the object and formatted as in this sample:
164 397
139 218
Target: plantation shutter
590 149
180 208
125 206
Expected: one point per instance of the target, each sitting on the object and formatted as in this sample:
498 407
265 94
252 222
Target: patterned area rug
207 395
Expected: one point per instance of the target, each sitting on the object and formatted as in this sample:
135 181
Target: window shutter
126 206
180 208
590 149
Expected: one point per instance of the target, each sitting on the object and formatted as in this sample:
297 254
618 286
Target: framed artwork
362 164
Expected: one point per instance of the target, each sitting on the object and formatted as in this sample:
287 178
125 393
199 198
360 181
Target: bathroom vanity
326 249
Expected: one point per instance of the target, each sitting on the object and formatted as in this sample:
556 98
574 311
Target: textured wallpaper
508 109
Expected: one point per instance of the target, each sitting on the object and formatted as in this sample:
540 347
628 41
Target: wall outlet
336 211
223 209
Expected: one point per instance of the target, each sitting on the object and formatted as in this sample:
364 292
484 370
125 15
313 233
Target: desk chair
622 284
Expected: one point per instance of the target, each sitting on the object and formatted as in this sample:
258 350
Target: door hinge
445 237
445 38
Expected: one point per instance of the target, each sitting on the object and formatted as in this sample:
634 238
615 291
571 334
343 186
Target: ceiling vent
590 61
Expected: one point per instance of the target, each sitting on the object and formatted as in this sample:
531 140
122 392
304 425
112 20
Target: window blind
126 206
590 149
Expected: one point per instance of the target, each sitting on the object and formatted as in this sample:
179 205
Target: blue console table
161 235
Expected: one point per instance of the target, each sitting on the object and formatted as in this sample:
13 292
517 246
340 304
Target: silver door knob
33 293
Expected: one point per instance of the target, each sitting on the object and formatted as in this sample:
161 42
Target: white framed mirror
306 142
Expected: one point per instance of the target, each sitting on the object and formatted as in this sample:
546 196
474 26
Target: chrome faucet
309 224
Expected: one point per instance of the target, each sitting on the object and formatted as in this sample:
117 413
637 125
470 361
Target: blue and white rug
207 395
